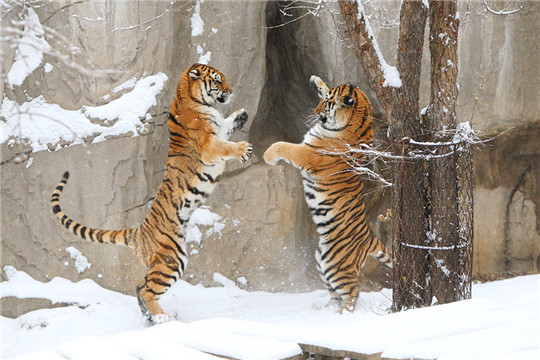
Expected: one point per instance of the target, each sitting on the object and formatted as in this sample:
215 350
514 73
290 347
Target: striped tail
102 236
382 253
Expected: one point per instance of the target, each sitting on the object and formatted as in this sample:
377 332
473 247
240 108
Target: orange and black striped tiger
198 150
333 190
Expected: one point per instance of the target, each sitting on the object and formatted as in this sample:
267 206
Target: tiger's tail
84 232
382 253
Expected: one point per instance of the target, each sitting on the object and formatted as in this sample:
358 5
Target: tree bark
407 198
364 49
443 182
425 191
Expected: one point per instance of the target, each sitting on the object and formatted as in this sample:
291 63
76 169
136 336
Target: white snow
465 133
203 217
42 125
126 85
197 29
197 23
242 280
390 73
81 262
29 49
203 58
48 68
500 322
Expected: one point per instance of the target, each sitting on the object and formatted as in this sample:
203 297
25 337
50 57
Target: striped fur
198 149
333 191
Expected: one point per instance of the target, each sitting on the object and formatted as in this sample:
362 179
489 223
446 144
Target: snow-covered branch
504 11
367 48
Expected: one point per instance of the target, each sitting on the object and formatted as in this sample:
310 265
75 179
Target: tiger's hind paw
159 319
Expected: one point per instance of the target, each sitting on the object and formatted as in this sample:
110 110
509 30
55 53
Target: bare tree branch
364 48
503 11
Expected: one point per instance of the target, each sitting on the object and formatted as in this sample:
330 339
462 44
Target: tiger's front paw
270 155
240 119
245 150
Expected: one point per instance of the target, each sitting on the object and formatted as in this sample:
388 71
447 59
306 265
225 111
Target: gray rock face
268 239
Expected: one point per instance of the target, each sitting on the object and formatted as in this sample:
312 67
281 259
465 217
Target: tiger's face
338 107
208 85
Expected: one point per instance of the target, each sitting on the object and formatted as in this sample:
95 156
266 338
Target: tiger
333 190
198 150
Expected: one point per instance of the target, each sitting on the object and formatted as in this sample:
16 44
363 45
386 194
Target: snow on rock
29 49
126 85
48 68
59 290
203 58
242 280
223 280
197 29
81 262
197 23
43 125
203 217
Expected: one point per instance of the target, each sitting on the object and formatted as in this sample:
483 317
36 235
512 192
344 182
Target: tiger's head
207 85
345 107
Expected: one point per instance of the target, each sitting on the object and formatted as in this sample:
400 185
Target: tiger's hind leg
346 287
350 299
335 298
161 275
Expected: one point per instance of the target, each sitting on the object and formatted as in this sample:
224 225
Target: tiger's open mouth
224 97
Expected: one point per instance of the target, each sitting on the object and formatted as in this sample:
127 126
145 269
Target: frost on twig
31 40
362 156
297 9
505 10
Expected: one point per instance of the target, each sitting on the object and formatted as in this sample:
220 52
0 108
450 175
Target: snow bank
500 322
59 290
207 339
42 125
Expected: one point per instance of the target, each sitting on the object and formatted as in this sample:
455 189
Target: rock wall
268 239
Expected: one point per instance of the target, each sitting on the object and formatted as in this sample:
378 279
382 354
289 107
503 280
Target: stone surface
268 237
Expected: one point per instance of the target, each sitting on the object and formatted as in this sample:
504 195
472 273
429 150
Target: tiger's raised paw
270 155
240 120
245 150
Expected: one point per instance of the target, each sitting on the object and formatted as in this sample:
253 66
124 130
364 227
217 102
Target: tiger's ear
319 85
195 73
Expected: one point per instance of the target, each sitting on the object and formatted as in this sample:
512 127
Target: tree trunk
407 197
444 223
426 204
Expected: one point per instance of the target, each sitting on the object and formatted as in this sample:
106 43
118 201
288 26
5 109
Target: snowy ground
500 322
